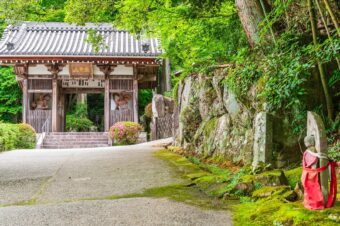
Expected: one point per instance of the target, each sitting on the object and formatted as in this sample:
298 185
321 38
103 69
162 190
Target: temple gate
54 59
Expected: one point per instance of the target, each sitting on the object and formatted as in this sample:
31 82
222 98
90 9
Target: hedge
16 136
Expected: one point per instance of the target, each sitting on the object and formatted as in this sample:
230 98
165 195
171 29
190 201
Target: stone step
74 146
72 139
78 143
60 140
76 137
79 133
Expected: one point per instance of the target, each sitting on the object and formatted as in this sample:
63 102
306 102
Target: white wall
41 69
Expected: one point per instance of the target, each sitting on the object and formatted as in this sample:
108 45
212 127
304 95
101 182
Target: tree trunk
251 15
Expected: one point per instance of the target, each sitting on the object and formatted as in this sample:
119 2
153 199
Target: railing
45 130
46 126
37 118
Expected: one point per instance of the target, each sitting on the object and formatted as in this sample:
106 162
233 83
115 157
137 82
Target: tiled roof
62 39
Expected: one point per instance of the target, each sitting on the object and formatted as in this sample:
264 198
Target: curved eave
10 59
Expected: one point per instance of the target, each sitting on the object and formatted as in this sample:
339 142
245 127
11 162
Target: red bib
313 198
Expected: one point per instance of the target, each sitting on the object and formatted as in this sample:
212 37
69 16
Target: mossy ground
273 210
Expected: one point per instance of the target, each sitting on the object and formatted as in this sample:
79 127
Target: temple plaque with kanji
81 70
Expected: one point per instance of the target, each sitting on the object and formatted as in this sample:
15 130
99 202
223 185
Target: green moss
269 191
277 212
210 126
293 176
21 203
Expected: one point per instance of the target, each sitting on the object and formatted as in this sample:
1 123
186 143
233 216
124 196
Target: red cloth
313 198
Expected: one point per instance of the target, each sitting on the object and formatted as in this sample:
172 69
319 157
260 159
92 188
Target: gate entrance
53 61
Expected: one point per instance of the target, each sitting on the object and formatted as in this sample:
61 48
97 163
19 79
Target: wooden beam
120 91
39 91
83 90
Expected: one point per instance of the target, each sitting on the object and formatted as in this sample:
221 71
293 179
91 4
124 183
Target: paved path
66 186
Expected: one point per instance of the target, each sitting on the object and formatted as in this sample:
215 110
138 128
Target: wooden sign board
81 70
84 83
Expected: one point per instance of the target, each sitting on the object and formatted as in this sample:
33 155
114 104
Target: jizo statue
315 177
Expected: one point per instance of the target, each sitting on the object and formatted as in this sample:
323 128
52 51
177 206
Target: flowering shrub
125 132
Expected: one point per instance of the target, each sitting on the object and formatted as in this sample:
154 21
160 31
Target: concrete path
67 185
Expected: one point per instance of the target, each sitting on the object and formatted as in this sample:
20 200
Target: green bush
76 123
123 133
27 136
334 152
14 136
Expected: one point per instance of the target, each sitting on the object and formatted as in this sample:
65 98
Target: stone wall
214 122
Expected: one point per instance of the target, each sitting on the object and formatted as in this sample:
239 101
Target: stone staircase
75 140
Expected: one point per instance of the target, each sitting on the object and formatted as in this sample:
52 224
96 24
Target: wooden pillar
25 100
21 71
61 111
106 69
107 104
135 100
135 93
55 105
55 69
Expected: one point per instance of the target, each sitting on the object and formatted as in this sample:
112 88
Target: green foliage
96 40
144 98
123 133
334 152
95 109
8 136
82 11
15 136
293 176
26 137
13 11
241 78
75 123
10 95
77 120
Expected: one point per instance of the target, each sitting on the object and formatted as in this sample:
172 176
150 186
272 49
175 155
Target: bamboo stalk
266 18
333 17
329 103
327 30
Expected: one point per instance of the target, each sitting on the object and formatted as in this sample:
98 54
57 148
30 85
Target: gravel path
58 179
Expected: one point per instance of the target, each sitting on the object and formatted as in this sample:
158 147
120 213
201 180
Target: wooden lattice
164 126
121 84
40 84
121 115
